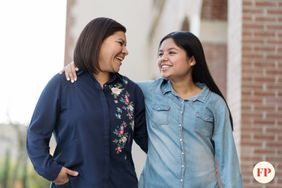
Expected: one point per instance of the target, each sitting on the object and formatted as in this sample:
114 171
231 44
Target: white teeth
120 58
165 66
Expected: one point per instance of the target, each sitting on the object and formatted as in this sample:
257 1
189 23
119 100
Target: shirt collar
114 76
202 96
166 87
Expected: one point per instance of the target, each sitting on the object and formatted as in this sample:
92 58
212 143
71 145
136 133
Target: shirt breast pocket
160 114
204 123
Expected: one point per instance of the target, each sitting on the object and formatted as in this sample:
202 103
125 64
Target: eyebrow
169 49
122 40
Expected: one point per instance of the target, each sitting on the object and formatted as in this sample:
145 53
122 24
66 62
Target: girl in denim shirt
188 121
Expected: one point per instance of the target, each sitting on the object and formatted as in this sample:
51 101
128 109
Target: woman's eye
160 54
120 43
172 53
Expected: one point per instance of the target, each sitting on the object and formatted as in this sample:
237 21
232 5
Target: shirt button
181 112
180 125
180 139
181 180
182 166
182 153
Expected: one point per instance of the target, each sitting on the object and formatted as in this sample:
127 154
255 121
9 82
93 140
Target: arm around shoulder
140 130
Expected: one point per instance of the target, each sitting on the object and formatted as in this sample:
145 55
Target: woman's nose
125 51
163 58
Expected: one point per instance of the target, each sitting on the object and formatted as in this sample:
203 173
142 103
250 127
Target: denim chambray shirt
186 138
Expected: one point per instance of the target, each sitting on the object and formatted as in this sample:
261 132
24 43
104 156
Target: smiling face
173 61
112 52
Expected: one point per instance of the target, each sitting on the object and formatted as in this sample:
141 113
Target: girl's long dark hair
200 73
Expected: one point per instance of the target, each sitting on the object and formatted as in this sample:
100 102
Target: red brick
264 151
247 3
264 4
274 27
271 57
274 42
264 137
249 26
277 12
265 19
264 49
261 34
214 10
275 145
251 11
273 159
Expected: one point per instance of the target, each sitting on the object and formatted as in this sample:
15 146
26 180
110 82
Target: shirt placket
181 143
106 134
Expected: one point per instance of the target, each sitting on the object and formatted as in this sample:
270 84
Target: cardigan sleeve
40 130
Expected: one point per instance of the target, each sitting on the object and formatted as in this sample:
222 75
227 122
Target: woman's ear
192 61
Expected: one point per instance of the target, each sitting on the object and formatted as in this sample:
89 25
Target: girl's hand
70 72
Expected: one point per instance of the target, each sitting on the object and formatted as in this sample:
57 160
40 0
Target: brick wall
216 60
261 129
214 10
215 51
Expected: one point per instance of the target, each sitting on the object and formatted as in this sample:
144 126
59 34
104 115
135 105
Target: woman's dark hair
86 52
200 72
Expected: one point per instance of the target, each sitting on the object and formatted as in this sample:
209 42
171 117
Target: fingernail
72 81
75 79
68 78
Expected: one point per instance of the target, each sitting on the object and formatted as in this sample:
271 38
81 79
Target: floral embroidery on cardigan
123 107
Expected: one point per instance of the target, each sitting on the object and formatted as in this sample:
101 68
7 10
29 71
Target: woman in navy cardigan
94 120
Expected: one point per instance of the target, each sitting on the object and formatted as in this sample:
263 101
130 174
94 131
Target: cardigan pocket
160 114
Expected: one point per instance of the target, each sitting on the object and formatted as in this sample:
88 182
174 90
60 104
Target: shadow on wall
16 170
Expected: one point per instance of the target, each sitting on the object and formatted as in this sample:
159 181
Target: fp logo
263 172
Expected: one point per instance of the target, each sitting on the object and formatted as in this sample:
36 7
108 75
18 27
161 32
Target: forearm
38 151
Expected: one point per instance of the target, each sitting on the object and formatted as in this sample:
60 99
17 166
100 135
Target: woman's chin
164 75
116 70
